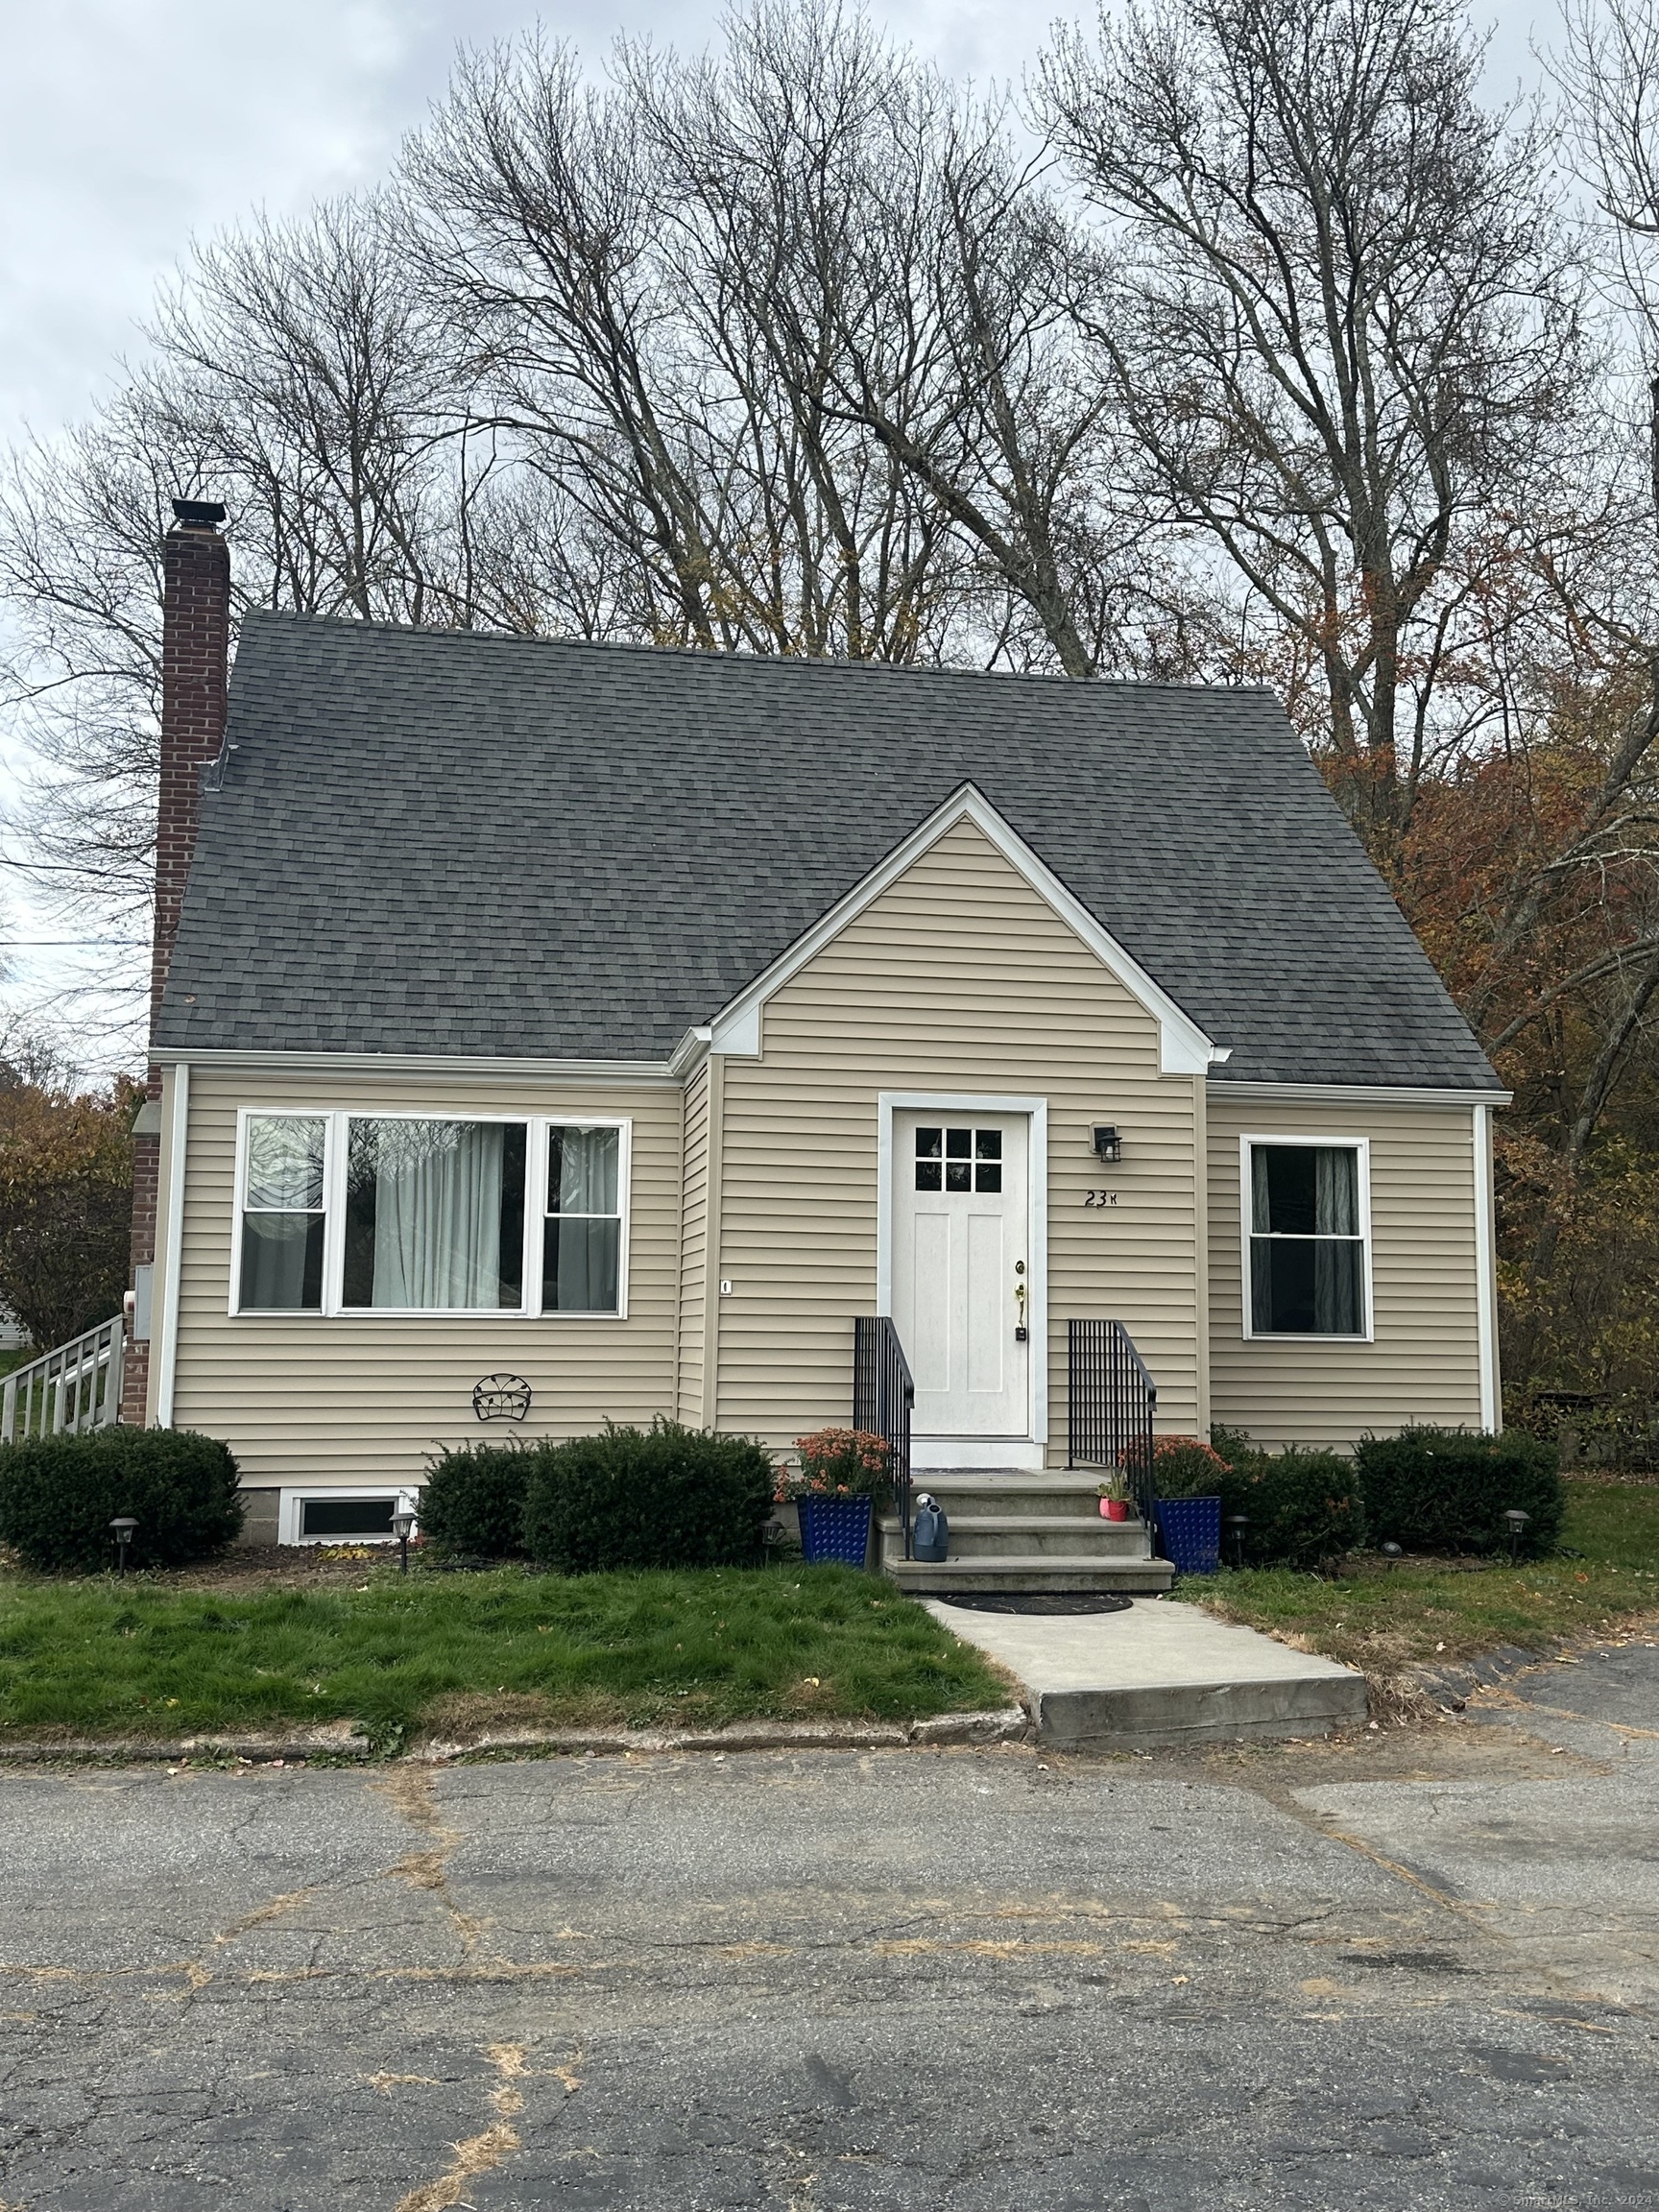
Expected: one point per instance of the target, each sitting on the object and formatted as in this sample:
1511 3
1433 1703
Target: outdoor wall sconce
1108 1144
1517 1521
122 1524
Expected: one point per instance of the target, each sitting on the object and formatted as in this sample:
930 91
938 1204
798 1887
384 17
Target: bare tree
1339 321
614 289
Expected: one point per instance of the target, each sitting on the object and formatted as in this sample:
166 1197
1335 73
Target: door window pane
582 1237
958 1159
435 1214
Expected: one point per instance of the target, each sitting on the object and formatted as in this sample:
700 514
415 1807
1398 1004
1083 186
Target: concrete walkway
1158 1674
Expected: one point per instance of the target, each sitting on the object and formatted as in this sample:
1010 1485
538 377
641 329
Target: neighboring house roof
442 842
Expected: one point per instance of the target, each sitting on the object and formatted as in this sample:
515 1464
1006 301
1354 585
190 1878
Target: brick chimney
195 670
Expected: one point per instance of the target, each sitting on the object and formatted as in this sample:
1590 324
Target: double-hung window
407 1214
282 1213
1307 1237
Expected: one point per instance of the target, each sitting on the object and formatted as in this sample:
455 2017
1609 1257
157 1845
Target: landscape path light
1236 1523
122 1524
403 1526
1517 1521
1392 1553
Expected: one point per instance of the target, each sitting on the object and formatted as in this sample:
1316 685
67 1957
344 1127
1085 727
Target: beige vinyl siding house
359 1400
958 981
562 1034
1429 1355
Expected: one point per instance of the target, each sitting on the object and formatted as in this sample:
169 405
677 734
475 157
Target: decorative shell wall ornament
501 1398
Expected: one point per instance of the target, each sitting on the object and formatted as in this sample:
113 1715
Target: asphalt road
1419 1970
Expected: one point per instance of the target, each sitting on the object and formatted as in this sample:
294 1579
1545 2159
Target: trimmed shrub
658 1497
473 1501
58 1495
1302 1506
1448 1489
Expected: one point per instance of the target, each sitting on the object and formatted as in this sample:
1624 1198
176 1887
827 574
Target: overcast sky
128 126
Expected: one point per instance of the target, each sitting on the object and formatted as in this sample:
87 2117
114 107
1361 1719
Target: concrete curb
343 1740
1009 1725
339 1740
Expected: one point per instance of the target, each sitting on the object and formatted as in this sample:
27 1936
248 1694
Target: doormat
1038 1601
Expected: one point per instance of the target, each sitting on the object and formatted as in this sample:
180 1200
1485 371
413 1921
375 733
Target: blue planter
1190 1531
834 1531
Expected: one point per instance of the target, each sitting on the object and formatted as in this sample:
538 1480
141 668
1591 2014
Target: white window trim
1309 1139
290 1501
335 1120
1036 1111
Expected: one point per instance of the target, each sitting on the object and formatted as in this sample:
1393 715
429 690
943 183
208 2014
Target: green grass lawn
441 1651
1380 1619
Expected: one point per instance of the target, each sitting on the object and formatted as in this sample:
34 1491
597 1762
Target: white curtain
1335 1193
580 1261
584 1172
438 1214
1336 1271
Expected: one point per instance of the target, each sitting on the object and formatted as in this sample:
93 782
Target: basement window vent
355 1520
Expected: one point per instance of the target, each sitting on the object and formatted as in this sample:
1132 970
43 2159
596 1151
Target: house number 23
1100 1198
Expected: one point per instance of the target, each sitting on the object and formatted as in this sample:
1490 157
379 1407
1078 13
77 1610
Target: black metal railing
1110 1403
883 1394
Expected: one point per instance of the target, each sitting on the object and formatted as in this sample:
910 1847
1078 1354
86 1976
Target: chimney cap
198 514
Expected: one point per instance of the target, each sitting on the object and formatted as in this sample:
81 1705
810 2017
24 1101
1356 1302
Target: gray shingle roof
436 842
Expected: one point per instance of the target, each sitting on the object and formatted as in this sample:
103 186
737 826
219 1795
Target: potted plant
842 1472
1185 1477
1114 1501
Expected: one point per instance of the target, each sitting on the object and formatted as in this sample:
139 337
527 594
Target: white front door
961 1270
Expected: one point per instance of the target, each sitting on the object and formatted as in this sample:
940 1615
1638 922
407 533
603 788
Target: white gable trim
1184 1049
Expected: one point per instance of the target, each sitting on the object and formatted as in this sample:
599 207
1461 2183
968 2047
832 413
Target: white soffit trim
1358 1093
691 1052
1184 1047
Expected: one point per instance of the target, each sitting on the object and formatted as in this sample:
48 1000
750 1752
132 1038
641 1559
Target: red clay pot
1114 1509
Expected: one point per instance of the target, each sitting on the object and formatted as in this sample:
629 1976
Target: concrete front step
1035 1534
1012 1532
1031 1574
967 1495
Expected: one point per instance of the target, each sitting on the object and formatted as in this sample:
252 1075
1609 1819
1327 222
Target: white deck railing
75 1387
